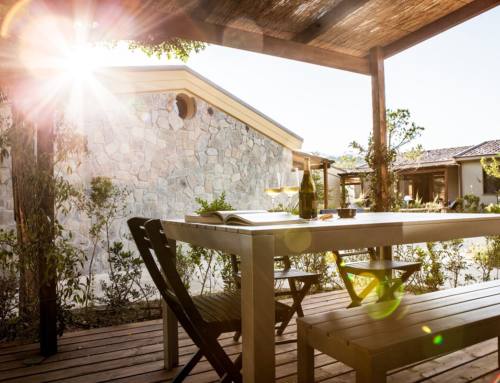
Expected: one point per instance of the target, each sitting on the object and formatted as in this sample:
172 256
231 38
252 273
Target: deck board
132 353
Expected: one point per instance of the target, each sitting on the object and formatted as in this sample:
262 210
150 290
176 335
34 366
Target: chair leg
397 283
182 374
297 296
236 336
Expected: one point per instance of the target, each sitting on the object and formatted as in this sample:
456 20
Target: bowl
346 213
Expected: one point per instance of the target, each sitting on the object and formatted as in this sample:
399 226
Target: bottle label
308 205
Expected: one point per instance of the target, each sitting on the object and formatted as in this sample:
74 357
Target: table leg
170 332
257 309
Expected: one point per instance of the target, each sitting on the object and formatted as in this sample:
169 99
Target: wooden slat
388 327
135 361
451 324
329 19
408 313
451 20
406 301
191 29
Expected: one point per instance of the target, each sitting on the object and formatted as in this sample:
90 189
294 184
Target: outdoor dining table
258 245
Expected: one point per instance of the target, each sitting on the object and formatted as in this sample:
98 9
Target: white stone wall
6 202
142 143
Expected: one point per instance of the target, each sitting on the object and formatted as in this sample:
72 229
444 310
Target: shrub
9 285
124 287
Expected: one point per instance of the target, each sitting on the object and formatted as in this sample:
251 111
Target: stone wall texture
141 143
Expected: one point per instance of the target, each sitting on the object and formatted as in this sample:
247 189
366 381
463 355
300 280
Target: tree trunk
23 161
47 267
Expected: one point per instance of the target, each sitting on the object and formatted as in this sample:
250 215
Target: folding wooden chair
204 318
294 277
379 270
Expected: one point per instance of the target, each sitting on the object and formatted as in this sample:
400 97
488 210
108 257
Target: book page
262 219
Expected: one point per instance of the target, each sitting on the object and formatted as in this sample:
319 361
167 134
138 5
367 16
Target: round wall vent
186 106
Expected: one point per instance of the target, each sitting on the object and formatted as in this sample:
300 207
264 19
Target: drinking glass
273 188
291 185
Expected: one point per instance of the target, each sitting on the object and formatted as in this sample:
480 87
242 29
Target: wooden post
446 191
46 263
325 184
381 198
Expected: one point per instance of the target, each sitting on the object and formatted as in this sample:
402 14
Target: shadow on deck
134 353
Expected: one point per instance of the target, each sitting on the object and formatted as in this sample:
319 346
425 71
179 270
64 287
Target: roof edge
173 68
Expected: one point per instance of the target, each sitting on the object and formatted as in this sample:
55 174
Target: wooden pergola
317 163
351 35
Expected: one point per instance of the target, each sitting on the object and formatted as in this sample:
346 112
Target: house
445 174
169 135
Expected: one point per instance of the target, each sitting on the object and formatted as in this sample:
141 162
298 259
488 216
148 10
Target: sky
450 84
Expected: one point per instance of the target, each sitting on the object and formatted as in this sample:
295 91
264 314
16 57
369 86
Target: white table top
361 220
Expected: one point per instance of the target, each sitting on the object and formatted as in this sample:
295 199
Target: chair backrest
150 239
340 254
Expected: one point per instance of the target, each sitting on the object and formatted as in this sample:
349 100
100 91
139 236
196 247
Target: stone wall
6 202
141 143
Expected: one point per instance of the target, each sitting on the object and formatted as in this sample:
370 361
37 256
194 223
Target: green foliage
401 132
487 258
455 263
124 286
4 145
469 203
103 203
491 165
431 275
218 204
173 48
208 266
185 265
348 161
321 263
319 184
9 284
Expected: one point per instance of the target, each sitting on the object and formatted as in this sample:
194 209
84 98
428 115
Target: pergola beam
187 28
451 20
203 9
328 20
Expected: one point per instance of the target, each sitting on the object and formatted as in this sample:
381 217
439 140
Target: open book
244 218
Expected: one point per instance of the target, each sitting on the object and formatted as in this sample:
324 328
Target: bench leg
370 374
305 358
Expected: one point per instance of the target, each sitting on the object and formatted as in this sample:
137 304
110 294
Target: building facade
169 135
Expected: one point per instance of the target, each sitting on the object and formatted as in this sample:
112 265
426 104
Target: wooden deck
133 353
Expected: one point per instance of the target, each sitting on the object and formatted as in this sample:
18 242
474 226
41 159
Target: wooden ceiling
335 33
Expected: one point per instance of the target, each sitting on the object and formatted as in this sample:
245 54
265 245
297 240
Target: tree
35 147
491 165
401 132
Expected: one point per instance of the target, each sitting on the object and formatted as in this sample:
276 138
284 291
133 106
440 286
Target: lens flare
438 340
426 329
11 15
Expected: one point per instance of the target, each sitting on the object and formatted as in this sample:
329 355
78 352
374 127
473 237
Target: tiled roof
431 157
427 158
487 148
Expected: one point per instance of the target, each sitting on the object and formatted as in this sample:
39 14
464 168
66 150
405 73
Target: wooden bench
376 338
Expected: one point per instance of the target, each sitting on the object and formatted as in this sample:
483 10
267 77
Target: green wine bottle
308 199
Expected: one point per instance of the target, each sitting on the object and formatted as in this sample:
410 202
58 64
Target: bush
124 287
9 285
